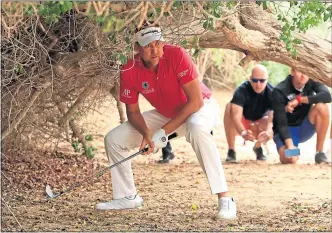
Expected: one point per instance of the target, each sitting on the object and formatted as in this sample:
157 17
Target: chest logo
145 85
291 96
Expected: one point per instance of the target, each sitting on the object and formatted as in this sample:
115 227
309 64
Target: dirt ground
269 196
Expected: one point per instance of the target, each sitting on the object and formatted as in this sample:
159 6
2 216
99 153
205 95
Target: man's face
299 79
258 80
151 53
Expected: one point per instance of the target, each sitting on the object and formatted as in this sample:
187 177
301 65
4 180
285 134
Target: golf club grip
170 137
173 135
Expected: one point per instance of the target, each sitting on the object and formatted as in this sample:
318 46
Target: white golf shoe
130 202
226 209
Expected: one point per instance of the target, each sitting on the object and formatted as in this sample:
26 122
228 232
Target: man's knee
291 160
109 137
322 109
228 108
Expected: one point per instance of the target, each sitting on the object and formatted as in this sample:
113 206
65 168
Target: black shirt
254 105
284 92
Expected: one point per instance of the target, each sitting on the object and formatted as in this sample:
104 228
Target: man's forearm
289 143
188 109
137 121
238 125
318 98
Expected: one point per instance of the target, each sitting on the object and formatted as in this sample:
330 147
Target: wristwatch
244 133
299 99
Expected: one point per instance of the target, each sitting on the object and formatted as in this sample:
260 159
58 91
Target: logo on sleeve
126 93
183 73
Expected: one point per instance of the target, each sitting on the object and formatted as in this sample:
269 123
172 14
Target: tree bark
256 33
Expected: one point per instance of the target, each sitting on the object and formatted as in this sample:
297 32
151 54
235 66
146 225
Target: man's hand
264 136
147 141
291 105
159 139
248 135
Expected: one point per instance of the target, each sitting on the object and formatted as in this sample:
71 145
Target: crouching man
166 76
250 105
300 111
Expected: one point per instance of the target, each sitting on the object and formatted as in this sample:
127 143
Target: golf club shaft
100 173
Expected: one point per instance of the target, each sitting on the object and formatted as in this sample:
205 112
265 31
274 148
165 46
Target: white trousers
197 130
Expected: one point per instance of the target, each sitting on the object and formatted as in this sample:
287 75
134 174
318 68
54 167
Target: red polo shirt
163 90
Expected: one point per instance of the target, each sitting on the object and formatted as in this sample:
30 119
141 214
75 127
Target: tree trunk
256 33
115 93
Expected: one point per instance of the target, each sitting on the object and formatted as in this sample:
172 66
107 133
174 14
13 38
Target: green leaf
107 26
184 43
89 153
41 10
88 137
176 4
294 53
297 41
264 5
100 19
119 25
326 16
230 4
68 6
21 70
283 37
123 59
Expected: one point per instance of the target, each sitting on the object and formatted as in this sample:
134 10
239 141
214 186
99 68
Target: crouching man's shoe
259 154
167 154
226 209
231 156
167 157
130 202
321 157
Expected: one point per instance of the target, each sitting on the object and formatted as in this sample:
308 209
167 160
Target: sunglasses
256 80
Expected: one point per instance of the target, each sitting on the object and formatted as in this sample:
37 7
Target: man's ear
136 47
292 71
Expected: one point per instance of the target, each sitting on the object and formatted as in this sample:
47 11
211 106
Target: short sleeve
184 67
128 95
239 97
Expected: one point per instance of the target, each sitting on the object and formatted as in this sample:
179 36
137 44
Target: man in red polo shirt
166 76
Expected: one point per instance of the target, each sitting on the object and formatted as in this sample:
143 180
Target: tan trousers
197 130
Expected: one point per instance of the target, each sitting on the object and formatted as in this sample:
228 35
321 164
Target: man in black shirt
300 111
251 105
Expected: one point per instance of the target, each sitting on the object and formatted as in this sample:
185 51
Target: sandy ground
269 196
107 119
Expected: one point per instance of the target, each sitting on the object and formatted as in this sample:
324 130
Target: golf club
51 194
